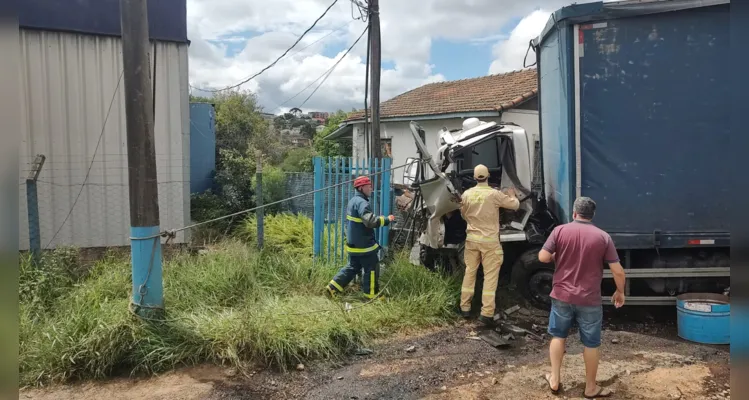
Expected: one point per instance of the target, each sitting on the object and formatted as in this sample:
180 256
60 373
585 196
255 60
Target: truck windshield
485 152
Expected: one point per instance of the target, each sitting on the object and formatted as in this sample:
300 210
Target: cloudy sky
422 41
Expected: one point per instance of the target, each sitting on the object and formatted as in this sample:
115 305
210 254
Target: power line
325 74
277 59
88 172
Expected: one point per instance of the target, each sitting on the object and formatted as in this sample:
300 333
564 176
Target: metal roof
167 19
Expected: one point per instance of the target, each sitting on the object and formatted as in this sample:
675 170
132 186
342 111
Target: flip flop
559 386
599 394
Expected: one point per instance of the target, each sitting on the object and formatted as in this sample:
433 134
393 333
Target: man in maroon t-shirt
579 250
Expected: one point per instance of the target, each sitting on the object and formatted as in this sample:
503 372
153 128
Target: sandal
599 394
559 386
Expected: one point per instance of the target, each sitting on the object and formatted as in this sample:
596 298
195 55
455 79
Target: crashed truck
633 114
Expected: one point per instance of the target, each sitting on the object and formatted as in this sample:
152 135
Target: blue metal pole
317 216
148 291
327 200
386 197
337 208
32 204
373 164
260 214
344 203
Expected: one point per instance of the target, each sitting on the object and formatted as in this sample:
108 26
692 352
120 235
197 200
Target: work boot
331 293
465 314
487 321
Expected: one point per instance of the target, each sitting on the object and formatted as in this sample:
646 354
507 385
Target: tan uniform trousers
490 256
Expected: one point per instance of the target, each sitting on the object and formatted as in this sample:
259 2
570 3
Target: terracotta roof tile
487 93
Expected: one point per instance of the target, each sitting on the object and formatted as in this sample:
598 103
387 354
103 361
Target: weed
231 306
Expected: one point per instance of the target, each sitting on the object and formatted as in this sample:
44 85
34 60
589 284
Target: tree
238 120
327 148
298 160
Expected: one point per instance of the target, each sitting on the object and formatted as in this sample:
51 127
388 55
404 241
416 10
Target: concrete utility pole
376 65
141 159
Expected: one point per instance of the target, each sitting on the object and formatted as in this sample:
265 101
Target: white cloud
510 53
408 30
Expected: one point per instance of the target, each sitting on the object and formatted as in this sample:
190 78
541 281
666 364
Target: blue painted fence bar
334 187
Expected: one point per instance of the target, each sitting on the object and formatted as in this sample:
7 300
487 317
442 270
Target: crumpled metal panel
439 200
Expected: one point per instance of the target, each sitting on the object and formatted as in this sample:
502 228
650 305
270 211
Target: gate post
385 199
317 215
32 205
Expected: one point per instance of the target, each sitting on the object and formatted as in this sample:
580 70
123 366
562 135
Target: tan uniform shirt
480 209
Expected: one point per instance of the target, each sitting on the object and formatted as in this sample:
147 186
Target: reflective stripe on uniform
479 238
337 286
488 293
382 220
354 219
372 283
359 251
466 290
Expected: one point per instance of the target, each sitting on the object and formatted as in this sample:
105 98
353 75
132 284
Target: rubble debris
340 378
512 310
508 336
364 352
410 349
615 341
494 339
509 328
300 367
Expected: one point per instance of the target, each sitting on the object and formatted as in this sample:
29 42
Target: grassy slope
227 306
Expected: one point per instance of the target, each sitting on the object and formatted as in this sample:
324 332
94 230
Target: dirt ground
642 358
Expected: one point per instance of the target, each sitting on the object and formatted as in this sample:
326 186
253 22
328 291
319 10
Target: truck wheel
533 279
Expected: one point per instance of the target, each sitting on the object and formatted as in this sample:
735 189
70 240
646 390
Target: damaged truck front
632 113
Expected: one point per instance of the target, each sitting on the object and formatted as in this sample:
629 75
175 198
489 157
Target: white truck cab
505 149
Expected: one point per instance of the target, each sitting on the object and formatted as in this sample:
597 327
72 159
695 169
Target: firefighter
480 208
361 245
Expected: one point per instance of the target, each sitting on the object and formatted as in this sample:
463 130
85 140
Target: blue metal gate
333 189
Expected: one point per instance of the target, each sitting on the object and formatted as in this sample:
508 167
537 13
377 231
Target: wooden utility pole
376 65
141 158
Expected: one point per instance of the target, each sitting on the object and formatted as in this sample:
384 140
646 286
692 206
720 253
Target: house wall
68 81
403 145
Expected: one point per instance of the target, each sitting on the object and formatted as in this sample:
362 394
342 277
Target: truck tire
533 278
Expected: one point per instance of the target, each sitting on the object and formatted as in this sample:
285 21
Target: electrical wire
333 67
277 59
327 72
91 165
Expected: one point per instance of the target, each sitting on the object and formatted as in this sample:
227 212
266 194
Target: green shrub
40 285
283 232
298 160
274 188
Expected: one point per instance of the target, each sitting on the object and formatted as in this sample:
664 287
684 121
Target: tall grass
231 306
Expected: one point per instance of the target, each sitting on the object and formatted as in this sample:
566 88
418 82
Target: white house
73 112
510 97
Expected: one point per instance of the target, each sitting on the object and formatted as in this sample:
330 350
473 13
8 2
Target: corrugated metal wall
68 83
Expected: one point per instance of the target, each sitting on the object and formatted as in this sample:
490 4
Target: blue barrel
704 318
